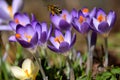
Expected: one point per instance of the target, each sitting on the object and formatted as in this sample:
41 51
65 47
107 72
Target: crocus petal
55 19
74 12
68 16
44 27
34 39
68 36
12 39
23 18
13 25
28 65
25 44
84 28
50 31
38 29
5 28
54 43
111 18
64 46
4 6
103 27
17 5
96 23
64 25
93 12
53 48
43 38
100 12
18 72
58 33
73 40
4 15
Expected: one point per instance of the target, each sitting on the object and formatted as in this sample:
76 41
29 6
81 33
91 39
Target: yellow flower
29 70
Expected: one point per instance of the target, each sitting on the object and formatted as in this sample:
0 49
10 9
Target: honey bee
54 9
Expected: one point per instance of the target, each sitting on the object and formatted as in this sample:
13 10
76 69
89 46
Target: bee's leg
53 13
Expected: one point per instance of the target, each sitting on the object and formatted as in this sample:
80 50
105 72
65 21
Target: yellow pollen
17 35
85 10
101 18
28 37
81 19
26 71
64 16
59 39
10 11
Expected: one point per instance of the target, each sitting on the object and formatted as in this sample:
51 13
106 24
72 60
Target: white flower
29 70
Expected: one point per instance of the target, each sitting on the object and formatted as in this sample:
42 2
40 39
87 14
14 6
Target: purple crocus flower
103 23
22 19
82 19
45 33
27 36
62 43
7 12
62 21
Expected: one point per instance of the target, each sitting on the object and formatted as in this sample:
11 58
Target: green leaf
106 75
115 71
113 78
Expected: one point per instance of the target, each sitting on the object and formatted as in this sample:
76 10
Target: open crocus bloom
19 18
7 12
62 43
27 36
62 21
103 23
82 19
28 71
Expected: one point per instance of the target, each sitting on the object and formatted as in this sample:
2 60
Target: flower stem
35 54
89 55
106 51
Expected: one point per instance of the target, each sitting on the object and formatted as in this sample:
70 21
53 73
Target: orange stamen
64 16
59 39
26 71
10 11
81 19
28 37
101 18
16 21
17 35
85 10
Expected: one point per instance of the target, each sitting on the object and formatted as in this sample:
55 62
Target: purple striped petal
53 48
68 36
100 12
44 27
12 38
111 18
103 27
58 33
4 15
49 32
73 40
54 43
34 39
17 5
43 38
64 25
64 47
13 25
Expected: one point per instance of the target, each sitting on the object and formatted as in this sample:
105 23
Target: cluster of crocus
29 33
